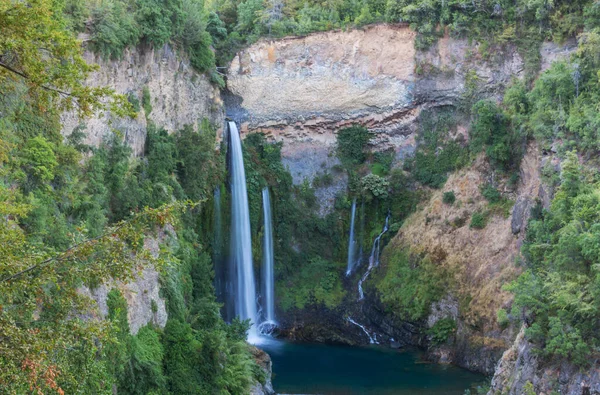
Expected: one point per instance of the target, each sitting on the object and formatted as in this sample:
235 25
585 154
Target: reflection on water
338 370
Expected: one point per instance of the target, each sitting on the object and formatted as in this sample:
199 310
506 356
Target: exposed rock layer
179 95
305 88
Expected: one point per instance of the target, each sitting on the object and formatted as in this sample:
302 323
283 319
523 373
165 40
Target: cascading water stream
351 241
268 293
373 258
241 243
372 339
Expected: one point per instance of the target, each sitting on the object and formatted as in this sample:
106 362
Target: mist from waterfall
352 241
373 258
241 243
268 287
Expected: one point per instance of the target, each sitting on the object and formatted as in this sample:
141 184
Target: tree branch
60 256
19 73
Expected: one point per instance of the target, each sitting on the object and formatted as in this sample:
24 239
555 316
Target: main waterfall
268 293
241 244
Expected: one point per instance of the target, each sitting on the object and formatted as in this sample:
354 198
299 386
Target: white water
372 339
268 292
351 241
373 259
241 244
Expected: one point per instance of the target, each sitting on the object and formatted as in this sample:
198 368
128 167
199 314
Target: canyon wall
301 90
179 96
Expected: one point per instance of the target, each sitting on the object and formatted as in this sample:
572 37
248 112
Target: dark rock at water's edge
264 361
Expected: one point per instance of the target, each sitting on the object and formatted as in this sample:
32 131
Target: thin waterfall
268 293
351 241
372 339
373 258
241 243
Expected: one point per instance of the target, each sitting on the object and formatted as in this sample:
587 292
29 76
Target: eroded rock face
144 302
264 362
179 96
520 368
305 88
302 90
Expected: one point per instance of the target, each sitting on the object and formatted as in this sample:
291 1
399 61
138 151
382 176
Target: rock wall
264 362
179 95
301 90
520 371
145 304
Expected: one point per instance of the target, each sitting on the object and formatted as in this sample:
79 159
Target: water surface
337 370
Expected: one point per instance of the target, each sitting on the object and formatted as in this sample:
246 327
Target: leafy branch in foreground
46 324
38 52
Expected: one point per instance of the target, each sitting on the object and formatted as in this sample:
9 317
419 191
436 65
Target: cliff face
481 260
305 88
301 90
520 371
179 96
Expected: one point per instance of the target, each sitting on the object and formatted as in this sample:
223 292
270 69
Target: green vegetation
491 129
68 218
557 293
319 282
410 284
146 101
442 330
351 145
478 220
436 156
449 197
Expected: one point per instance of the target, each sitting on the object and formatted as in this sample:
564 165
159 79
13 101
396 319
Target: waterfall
241 244
373 258
268 293
351 241
372 339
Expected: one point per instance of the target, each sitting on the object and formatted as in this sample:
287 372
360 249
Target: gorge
281 197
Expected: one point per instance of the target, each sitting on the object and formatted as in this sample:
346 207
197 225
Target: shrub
478 220
134 100
146 101
490 193
375 186
502 318
154 20
409 284
441 331
39 161
449 197
351 145
112 29
491 130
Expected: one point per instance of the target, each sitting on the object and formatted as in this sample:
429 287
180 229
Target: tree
39 53
47 344
352 142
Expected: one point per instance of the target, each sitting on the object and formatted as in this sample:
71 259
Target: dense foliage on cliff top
194 26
